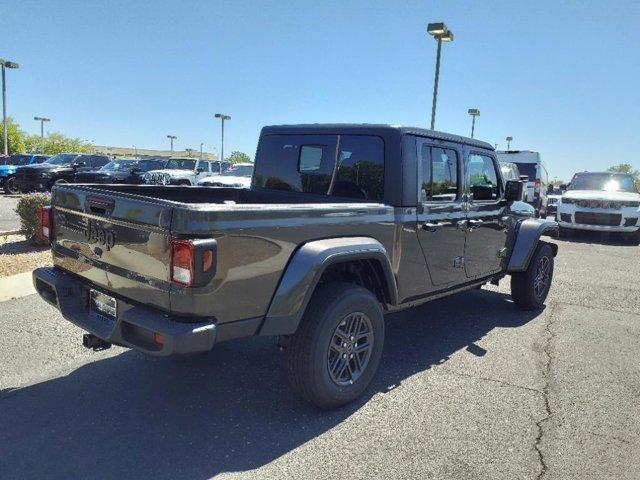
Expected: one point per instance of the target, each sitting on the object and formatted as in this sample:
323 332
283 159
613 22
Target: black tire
526 290
312 350
10 185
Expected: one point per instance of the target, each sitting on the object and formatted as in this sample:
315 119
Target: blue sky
561 77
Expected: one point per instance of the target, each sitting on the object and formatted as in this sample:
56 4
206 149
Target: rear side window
528 169
439 173
360 171
345 166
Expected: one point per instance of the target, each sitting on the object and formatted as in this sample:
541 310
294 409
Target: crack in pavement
495 380
546 370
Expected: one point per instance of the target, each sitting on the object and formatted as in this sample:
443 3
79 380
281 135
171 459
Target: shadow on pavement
603 238
132 416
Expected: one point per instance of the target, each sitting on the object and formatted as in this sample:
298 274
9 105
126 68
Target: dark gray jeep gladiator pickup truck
342 223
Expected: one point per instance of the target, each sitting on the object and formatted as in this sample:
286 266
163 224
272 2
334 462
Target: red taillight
158 338
46 223
182 262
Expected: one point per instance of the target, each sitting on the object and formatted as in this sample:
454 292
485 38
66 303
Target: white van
530 164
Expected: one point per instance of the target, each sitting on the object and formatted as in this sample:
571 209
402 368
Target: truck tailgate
117 241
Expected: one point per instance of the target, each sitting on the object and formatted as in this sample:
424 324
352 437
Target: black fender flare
303 273
526 241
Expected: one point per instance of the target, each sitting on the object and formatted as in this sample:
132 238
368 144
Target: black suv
121 170
59 168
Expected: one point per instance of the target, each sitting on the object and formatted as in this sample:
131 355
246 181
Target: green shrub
29 211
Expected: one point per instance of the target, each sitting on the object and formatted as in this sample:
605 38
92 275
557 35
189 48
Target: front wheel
529 289
10 185
334 354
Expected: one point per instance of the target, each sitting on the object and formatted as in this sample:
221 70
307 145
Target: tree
627 168
238 157
55 143
15 137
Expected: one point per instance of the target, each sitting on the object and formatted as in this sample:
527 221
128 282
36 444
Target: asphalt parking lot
9 219
469 388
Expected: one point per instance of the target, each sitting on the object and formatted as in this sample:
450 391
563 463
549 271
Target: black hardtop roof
371 129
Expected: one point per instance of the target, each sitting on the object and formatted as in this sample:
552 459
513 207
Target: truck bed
256 233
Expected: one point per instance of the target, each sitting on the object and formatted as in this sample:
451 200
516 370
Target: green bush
29 211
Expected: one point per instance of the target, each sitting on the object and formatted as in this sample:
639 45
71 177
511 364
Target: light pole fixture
189 151
42 120
474 112
508 139
171 138
5 64
222 118
440 33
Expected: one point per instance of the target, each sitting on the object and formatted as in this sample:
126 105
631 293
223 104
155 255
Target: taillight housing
182 262
45 225
192 261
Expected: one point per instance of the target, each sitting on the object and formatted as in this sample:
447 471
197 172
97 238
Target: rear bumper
135 326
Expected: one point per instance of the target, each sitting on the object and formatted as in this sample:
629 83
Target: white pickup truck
183 171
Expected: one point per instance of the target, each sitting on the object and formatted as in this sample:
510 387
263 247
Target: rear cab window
350 166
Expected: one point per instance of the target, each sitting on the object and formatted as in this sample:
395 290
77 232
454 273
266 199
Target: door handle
432 227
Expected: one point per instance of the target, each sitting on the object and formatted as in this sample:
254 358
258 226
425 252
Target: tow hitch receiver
89 340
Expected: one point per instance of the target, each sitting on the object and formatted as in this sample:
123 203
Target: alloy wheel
350 349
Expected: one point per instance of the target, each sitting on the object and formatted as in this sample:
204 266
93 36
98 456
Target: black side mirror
563 187
513 190
200 169
482 192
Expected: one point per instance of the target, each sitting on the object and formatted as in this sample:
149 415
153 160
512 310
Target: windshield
528 169
181 164
146 165
62 159
18 159
119 166
609 182
239 171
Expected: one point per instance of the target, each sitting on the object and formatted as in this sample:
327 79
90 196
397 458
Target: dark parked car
9 167
60 168
342 223
121 170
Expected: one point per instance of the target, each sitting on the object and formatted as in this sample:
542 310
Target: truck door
485 247
441 214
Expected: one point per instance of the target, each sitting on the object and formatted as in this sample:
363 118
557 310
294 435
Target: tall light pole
42 120
201 150
441 34
222 118
474 112
5 64
508 139
172 138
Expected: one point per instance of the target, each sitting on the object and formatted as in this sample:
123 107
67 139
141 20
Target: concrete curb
10 232
16 286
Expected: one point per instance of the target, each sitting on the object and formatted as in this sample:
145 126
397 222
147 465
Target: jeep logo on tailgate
96 234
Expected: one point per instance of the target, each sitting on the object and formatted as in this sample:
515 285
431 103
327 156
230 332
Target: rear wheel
10 185
529 289
334 354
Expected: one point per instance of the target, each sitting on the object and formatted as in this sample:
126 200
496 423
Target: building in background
140 152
